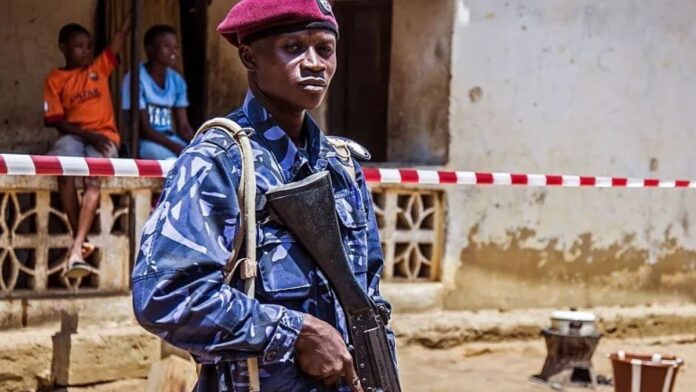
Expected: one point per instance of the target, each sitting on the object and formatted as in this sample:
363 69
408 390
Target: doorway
358 100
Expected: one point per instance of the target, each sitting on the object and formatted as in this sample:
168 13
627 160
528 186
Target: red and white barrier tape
438 177
43 165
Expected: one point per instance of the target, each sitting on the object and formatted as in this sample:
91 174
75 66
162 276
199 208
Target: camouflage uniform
178 288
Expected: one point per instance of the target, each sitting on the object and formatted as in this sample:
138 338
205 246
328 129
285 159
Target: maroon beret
253 19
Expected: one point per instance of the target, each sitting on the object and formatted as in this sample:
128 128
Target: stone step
442 329
132 385
39 358
46 312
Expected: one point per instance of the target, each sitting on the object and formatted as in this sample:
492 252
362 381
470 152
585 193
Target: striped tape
43 165
439 177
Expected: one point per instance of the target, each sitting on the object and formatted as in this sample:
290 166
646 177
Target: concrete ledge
91 357
134 385
413 297
22 313
37 358
172 374
25 360
450 328
32 183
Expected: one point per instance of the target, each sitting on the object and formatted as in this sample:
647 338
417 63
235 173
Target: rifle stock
307 209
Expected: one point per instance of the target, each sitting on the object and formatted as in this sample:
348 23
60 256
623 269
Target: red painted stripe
519 179
371 174
100 167
47 165
408 176
554 180
619 182
3 165
148 168
447 177
588 181
682 183
484 178
651 182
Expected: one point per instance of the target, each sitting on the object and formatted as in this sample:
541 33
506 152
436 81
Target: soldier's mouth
314 85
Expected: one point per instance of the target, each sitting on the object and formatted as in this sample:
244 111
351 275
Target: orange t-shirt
82 97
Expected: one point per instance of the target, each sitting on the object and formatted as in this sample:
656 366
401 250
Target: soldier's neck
291 123
289 120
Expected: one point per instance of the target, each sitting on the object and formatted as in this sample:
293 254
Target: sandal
78 269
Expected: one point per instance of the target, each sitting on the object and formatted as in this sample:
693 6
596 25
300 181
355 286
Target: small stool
569 359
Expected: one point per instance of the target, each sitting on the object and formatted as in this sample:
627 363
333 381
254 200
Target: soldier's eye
293 48
325 50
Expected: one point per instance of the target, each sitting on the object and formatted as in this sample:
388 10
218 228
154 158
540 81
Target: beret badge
324 6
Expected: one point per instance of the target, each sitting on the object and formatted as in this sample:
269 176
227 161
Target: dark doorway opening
358 100
194 27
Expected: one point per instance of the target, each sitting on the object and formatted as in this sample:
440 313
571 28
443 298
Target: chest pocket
286 270
284 267
352 220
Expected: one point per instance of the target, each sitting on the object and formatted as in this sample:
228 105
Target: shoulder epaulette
354 148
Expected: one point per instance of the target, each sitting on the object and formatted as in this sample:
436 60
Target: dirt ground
507 366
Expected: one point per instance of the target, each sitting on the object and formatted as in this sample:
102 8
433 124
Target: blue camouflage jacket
178 285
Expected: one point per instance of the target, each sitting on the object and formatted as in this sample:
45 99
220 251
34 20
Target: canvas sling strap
246 194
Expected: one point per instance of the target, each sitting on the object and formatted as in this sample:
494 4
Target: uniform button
272 355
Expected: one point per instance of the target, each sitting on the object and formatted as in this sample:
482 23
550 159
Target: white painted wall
577 87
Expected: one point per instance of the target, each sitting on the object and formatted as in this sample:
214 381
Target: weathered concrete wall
585 87
227 81
419 84
29 50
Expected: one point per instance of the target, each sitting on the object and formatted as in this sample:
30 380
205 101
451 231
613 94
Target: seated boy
77 102
163 100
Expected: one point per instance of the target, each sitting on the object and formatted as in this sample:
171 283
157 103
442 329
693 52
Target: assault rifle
307 209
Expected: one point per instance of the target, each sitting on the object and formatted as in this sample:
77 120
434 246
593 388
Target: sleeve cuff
51 120
282 344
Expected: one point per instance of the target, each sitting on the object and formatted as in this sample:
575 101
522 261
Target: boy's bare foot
87 249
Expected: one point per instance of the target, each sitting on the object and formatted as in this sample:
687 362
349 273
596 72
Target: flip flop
87 249
78 269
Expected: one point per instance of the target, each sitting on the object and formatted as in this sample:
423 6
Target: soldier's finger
352 379
332 380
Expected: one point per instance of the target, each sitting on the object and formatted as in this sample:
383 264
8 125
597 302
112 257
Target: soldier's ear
248 57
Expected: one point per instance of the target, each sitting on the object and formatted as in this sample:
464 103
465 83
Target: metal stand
568 360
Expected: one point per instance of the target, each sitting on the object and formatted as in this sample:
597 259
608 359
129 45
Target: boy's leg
152 150
68 199
70 146
77 267
90 202
179 140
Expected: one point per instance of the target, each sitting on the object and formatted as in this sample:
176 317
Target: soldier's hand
322 353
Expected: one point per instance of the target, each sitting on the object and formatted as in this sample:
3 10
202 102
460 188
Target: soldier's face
295 69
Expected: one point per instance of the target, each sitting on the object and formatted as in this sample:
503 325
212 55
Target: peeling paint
619 111
583 274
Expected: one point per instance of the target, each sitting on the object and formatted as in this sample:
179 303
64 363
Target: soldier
296 326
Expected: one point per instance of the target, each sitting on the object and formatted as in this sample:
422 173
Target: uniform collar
269 133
